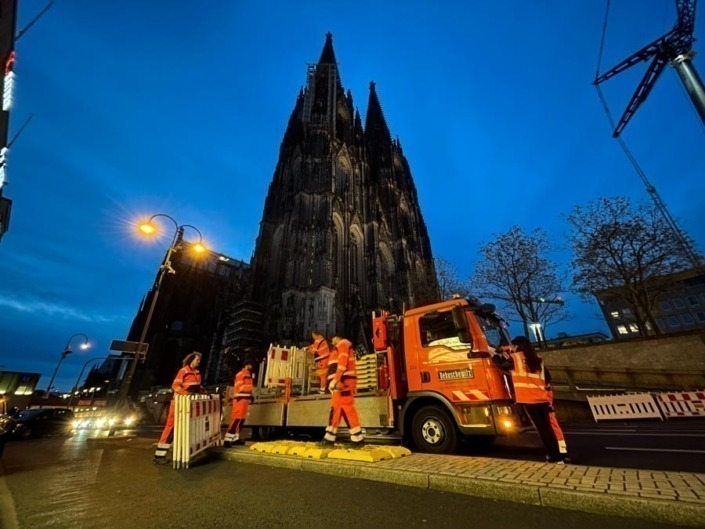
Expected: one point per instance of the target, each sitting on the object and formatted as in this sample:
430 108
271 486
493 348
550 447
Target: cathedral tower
342 233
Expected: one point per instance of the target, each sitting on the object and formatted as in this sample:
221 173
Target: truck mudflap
485 418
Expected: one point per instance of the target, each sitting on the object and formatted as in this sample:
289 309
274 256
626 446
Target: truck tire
263 433
433 431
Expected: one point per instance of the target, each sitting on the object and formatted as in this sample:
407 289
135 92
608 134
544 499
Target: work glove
333 386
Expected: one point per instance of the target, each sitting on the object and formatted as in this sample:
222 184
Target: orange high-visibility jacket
243 384
187 379
529 388
320 352
345 371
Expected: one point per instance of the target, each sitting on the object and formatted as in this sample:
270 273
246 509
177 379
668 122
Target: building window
701 316
693 300
633 328
665 306
627 313
678 303
688 320
673 321
621 329
615 314
662 324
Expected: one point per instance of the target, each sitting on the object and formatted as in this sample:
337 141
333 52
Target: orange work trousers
168 432
343 407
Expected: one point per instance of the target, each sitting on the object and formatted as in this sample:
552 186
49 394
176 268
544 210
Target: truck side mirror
459 321
465 337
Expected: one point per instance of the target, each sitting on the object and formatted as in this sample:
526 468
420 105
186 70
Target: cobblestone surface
678 486
667 497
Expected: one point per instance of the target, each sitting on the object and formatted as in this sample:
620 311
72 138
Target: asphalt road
73 483
642 445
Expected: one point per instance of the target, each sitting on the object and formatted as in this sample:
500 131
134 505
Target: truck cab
442 377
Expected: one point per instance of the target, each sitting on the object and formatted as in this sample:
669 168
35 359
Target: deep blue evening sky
179 107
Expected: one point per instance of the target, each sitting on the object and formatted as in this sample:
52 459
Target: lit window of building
621 329
615 314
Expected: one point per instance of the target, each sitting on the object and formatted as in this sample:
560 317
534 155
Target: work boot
227 444
325 443
239 442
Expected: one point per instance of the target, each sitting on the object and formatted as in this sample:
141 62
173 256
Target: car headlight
76 425
129 421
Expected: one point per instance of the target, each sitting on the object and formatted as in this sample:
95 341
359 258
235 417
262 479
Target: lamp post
149 228
67 351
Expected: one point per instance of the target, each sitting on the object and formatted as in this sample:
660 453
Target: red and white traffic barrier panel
196 426
682 404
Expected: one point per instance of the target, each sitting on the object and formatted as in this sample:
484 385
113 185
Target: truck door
444 366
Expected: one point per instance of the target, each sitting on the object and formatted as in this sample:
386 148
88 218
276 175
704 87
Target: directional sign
129 347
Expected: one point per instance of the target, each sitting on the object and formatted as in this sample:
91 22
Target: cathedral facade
342 233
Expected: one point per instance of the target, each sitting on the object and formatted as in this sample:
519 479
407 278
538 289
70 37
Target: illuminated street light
67 351
536 328
150 228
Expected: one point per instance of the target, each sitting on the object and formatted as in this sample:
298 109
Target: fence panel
629 406
682 404
196 426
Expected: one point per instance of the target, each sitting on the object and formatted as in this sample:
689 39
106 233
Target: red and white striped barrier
196 426
682 404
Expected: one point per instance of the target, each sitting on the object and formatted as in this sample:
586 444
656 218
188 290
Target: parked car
39 422
7 426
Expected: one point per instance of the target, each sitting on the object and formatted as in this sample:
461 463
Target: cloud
34 306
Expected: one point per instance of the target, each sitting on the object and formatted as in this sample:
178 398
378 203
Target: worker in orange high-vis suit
343 381
187 381
321 355
242 396
532 390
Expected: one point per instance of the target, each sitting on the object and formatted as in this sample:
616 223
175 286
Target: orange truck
435 382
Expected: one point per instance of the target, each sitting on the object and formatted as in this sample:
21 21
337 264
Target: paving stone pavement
671 497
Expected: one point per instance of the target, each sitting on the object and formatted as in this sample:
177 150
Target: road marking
682 451
639 434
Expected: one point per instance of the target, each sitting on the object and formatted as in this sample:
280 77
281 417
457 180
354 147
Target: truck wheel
433 431
263 433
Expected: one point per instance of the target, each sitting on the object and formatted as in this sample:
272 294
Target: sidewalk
666 497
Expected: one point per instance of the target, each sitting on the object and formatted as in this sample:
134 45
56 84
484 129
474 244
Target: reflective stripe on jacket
185 380
243 384
529 388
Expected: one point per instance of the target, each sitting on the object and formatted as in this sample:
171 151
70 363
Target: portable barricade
196 426
629 406
682 404
286 363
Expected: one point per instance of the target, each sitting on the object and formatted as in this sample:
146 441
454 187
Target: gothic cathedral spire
342 233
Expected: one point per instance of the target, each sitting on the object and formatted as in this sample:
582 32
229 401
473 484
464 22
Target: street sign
129 347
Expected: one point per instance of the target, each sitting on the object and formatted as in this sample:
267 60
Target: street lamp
149 228
67 351
536 328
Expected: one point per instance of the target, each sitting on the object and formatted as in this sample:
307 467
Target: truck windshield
493 329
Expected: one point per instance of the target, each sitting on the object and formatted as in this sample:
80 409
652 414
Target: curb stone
674 512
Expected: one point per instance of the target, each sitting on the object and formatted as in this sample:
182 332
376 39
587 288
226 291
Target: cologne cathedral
342 233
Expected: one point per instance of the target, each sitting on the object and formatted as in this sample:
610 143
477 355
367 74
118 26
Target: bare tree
515 272
623 252
448 281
